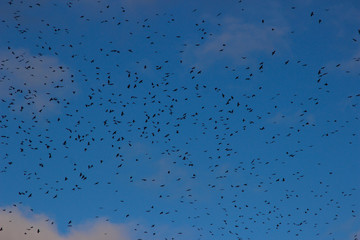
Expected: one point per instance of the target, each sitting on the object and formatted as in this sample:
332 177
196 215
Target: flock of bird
161 119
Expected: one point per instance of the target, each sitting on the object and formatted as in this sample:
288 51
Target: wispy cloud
244 38
238 40
31 70
16 225
33 80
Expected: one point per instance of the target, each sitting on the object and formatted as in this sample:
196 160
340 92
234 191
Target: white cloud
16 225
31 81
243 38
238 39
31 70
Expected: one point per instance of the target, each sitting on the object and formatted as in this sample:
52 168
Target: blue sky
179 120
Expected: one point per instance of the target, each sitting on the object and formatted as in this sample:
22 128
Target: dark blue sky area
179 120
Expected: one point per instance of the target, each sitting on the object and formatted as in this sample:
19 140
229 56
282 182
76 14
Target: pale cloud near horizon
15 225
